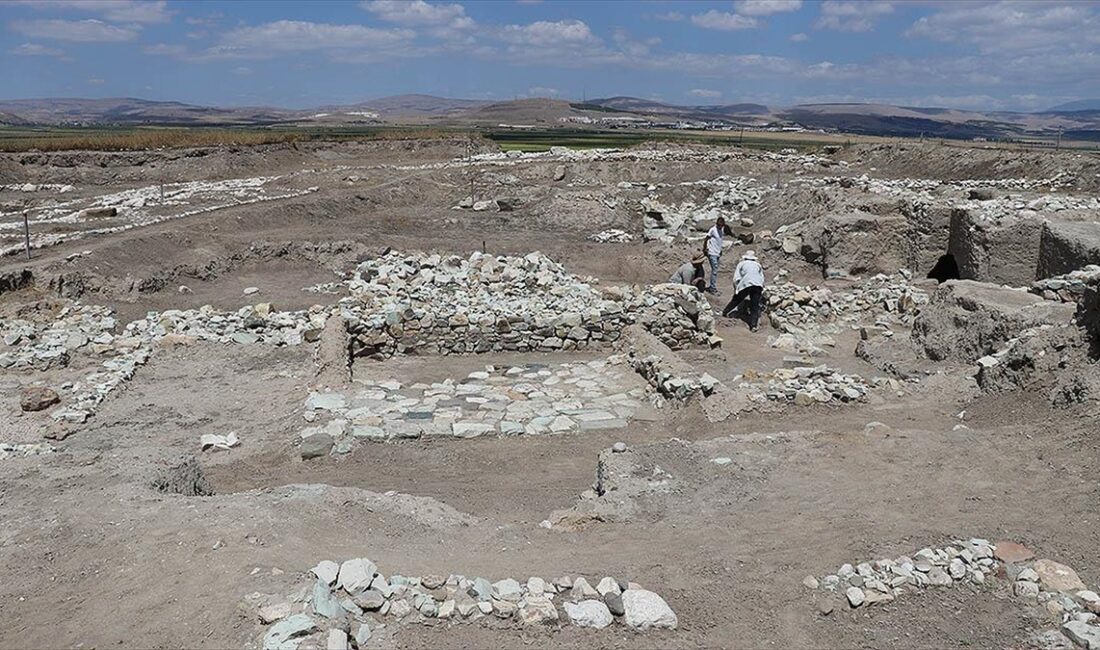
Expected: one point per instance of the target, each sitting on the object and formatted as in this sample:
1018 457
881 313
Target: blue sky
973 54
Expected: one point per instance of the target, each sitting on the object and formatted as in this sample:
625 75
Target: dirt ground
93 556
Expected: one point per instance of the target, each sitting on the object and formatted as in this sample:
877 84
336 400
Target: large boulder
967 320
1003 250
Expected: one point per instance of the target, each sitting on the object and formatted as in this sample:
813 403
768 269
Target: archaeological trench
396 395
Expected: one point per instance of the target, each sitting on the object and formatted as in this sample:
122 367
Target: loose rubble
808 317
355 596
1043 582
806 385
689 222
1069 287
22 450
611 236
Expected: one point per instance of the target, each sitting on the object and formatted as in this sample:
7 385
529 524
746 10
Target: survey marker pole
27 233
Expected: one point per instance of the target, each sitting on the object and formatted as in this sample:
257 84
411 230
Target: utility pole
1059 144
741 138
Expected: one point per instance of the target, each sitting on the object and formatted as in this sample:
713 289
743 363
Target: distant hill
1079 105
646 106
11 119
415 106
1076 120
130 111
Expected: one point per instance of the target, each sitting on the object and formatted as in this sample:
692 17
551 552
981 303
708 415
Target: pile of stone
345 603
883 580
1069 287
415 303
258 323
532 399
1055 586
611 236
806 385
41 187
41 346
325 287
807 317
20 450
689 222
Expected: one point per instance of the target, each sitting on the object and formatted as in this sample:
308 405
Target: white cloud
287 36
800 37
96 81
81 31
34 49
242 71
633 47
542 91
1000 27
418 13
562 33
123 11
723 21
852 16
705 93
346 43
765 7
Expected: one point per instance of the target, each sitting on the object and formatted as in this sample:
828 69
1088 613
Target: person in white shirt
748 280
690 273
713 250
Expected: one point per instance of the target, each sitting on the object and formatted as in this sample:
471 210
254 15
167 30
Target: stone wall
670 375
427 304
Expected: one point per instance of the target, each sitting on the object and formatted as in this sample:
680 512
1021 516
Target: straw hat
749 255
698 259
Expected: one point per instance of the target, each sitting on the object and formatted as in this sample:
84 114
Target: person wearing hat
748 280
691 273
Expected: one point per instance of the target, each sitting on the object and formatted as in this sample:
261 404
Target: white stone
645 609
589 613
1085 635
356 574
508 590
608 585
582 590
337 640
326 571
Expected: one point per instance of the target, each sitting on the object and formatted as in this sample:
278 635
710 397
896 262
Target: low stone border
344 603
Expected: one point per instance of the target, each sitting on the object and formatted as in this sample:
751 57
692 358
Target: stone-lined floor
529 399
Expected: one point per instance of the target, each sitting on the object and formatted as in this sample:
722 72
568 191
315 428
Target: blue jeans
713 271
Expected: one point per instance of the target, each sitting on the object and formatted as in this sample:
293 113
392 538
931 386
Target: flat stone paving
529 399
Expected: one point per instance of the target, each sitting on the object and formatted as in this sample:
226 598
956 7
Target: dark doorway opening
946 268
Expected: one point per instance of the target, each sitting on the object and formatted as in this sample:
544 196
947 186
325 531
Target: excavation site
426 392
